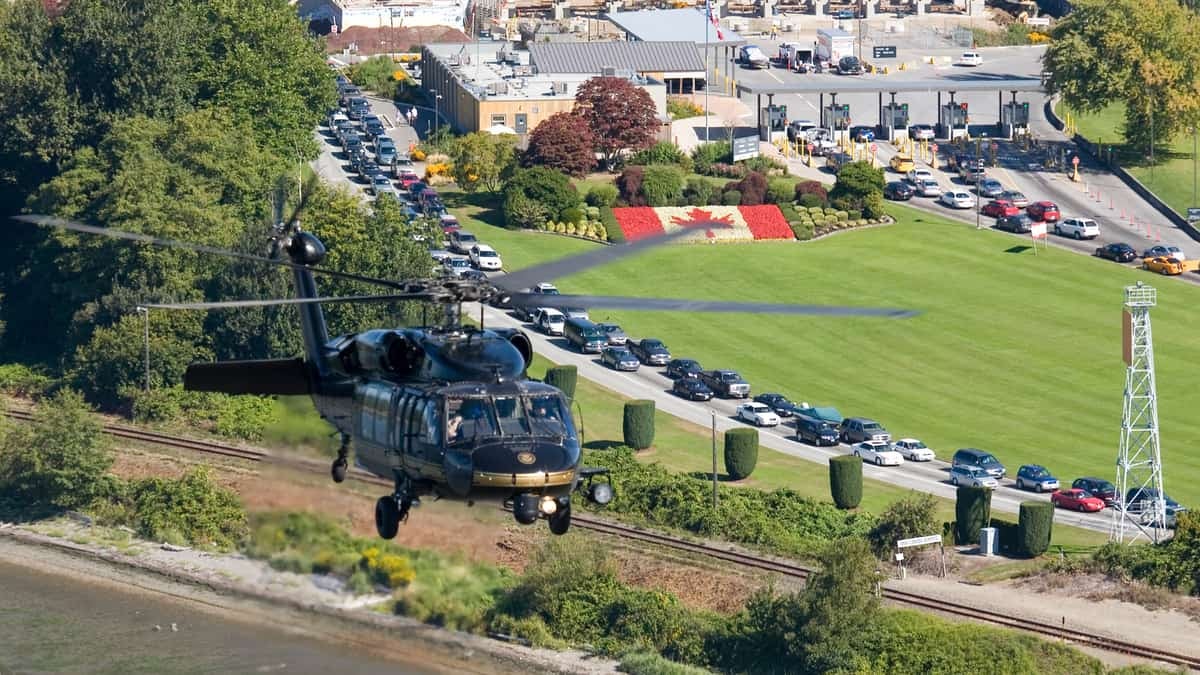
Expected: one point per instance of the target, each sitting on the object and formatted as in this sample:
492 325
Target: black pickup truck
726 383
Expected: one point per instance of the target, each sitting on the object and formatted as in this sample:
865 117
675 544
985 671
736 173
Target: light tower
1139 462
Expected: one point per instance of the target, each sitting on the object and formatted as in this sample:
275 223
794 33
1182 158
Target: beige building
490 85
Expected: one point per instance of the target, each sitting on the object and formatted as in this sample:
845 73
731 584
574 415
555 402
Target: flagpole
707 19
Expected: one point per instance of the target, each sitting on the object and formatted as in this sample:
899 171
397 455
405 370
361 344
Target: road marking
774 76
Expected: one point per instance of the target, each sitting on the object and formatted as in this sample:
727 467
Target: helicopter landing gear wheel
560 522
338 470
387 517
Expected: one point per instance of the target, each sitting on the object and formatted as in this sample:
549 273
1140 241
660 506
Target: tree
972 510
621 115
856 183
912 516
548 188
838 603
845 480
638 424
1143 54
563 378
60 459
482 160
1036 521
564 142
741 452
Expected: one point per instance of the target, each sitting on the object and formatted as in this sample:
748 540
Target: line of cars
474 257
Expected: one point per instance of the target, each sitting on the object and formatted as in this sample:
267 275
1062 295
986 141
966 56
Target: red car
408 178
1043 212
1076 499
998 208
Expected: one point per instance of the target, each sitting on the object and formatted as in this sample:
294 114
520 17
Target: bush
845 481
698 191
156 405
611 226
602 195
572 215
802 230
972 510
21 380
753 189
664 153
731 198
245 417
662 185
681 108
912 516
765 165
741 452
545 187
1008 536
629 186
780 191
563 378
188 510
811 187
855 185
707 154
1036 522
522 212
873 205
638 424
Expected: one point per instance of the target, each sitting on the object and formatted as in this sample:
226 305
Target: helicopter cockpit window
511 415
547 416
468 419
433 427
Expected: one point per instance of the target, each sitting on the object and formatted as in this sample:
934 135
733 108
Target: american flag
713 18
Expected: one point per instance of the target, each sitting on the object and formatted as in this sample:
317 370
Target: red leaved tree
620 114
562 141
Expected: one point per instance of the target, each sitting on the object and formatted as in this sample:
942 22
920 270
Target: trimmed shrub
662 185
572 215
663 152
741 452
845 481
563 378
1035 525
811 187
731 198
705 155
638 424
611 226
753 189
780 191
602 195
698 191
972 509
1008 536
765 165
629 186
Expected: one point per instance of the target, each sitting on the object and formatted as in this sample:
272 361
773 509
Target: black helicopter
446 411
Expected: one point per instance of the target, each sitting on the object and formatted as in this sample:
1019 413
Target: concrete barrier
1091 150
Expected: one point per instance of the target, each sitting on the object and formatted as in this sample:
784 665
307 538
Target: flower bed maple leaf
766 222
638 222
701 219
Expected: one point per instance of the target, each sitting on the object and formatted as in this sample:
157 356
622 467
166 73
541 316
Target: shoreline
383 635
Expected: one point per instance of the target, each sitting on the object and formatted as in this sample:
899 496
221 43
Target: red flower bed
639 222
766 222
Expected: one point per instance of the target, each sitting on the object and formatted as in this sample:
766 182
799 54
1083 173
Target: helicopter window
469 419
547 416
512 417
432 425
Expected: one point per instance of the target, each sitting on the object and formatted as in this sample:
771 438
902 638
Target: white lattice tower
1139 460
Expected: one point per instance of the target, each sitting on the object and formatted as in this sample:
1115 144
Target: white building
387 13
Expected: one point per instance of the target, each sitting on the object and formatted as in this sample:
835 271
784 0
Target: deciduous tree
562 141
482 160
621 115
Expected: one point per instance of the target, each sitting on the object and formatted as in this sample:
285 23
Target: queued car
1137 500
619 358
899 191
407 179
800 129
684 369
815 431
958 199
549 320
777 402
473 275
382 185
456 266
385 155
915 176
1017 197
972 476
1097 487
758 414
1044 211
998 208
615 335
526 312
1118 252
1035 477
650 351
836 160
962 160
913 450
1019 224
902 163
856 429
972 174
862 134
979 459
991 188
692 389
928 187
878 453
824 413
485 257
461 241
1076 499
1079 228
921 132
1164 266
1164 252
850 65
726 383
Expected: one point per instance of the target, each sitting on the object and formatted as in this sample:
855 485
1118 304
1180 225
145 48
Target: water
57 624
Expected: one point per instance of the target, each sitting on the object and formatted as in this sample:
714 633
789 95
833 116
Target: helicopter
447 410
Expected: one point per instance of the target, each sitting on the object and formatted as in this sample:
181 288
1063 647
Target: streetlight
437 115
978 179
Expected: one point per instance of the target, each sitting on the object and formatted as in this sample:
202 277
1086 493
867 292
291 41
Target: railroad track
782 567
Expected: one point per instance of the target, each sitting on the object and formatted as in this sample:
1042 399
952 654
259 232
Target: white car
971 59
913 450
928 187
1080 228
878 453
758 414
549 320
917 175
484 257
753 57
958 199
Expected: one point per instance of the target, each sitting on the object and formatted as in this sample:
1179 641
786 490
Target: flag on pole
713 18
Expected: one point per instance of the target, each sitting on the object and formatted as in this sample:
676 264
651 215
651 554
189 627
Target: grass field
1171 177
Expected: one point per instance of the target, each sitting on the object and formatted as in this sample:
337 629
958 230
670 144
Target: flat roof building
689 24
386 13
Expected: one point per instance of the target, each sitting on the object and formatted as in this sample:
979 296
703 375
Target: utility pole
714 453
145 312
978 194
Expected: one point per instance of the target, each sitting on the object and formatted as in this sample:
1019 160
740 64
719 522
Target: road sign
745 147
811 147
1075 161
874 147
933 147
888 52
1193 214
919 541
1038 231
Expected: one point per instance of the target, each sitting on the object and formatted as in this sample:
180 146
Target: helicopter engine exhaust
519 339
390 351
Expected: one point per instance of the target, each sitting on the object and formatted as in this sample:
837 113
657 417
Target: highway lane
650 383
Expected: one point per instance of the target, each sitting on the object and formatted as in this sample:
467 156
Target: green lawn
1171 177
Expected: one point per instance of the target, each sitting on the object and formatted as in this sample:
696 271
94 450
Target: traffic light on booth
964 107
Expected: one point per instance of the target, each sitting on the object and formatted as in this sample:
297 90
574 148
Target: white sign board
919 541
1038 231
745 147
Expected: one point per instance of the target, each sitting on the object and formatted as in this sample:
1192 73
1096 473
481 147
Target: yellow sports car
1163 265
902 163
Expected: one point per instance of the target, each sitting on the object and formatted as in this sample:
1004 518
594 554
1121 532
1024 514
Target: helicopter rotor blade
274 302
51 221
670 305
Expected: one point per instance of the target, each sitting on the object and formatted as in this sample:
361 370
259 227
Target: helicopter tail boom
282 377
